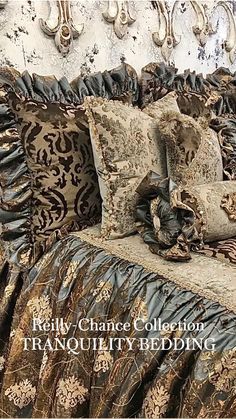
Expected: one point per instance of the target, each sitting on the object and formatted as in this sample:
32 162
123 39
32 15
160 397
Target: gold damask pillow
56 142
126 145
193 150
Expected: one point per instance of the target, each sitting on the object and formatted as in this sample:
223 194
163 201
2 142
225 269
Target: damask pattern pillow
57 146
126 145
193 150
165 104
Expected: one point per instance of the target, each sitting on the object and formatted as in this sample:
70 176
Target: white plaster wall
24 45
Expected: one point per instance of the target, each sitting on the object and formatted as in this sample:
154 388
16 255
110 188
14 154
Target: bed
84 277
120 331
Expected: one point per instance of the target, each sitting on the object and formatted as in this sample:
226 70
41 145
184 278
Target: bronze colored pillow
193 150
126 145
59 157
165 104
214 208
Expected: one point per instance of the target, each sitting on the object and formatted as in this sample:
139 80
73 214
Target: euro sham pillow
58 154
126 145
193 150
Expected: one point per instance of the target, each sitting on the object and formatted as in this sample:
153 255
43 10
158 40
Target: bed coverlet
84 277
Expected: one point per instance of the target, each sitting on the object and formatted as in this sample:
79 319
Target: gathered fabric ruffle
120 83
226 129
218 88
16 194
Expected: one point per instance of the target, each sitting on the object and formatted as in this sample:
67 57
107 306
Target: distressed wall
24 45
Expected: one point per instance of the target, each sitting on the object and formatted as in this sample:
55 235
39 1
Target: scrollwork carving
120 14
60 25
203 28
230 42
165 37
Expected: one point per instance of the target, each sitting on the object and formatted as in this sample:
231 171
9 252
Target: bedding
126 145
157 79
192 149
58 152
172 220
47 174
86 277
165 104
119 83
214 207
16 193
226 129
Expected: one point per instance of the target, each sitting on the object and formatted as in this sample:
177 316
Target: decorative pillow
226 129
197 105
59 158
193 150
214 208
172 220
165 104
126 145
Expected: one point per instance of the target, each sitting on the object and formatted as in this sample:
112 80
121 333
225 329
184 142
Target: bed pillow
126 145
193 150
58 154
165 104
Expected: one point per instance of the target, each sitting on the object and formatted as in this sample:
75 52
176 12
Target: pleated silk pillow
126 145
59 158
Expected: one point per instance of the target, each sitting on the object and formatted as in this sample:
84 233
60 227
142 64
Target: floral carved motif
230 42
165 37
203 28
120 14
60 25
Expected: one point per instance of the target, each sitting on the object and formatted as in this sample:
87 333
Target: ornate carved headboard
65 37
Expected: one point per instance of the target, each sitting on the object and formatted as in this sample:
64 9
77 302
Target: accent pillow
193 150
226 131
59 158
214 208
165 104
196 104
126 145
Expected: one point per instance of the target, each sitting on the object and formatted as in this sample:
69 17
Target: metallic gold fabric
77 280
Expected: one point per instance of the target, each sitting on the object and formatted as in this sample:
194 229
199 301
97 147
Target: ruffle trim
15 201
120 83
226 129
157 79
